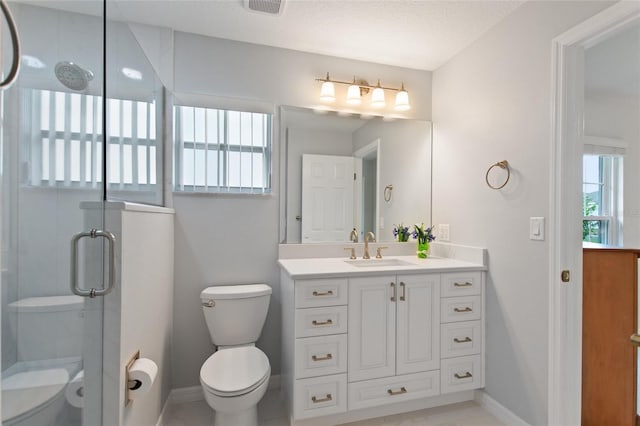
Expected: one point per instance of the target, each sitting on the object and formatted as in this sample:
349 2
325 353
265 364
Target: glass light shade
353 95
377 98
327 92
402 101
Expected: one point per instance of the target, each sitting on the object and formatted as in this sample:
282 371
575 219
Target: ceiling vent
272 7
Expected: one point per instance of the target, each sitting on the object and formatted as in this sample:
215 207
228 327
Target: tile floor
271 413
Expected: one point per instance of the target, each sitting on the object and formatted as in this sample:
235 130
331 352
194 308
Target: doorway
565 296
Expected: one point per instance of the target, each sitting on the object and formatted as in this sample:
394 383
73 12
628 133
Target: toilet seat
235 371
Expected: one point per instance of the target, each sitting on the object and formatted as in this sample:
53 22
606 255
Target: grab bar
94 233
15 42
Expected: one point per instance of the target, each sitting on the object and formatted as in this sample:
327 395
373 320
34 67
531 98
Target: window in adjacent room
602 199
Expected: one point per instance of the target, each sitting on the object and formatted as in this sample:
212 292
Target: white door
327 198
418 323
372 327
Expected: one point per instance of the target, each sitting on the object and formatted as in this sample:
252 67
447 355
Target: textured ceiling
413 34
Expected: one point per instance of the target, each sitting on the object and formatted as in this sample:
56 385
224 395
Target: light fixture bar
361 84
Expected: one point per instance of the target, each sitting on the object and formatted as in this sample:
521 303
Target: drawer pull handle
465 376
403 296
323 293
467 309
398 392
318 400
322 358
393 292
464 284
465 340
327 322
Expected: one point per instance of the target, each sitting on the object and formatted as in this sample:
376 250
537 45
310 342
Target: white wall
234 239
404 162
308 141
492 102
137 313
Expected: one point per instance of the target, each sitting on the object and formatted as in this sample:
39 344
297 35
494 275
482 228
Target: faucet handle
353 252
379 252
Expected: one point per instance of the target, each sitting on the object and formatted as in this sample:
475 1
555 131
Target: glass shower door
52 188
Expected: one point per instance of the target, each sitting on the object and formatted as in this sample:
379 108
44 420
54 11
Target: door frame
565 245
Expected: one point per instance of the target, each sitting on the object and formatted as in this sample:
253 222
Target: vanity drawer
320 356
454 309
460 339
462 373
461 284
320 396
322 292
388 390
321 321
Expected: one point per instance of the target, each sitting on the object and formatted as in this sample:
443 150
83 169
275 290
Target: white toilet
236 376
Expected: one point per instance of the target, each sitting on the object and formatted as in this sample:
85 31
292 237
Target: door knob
635 340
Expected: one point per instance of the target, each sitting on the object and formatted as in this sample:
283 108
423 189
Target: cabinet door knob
403 295
393 292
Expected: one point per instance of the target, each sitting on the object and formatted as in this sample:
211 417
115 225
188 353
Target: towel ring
504 164
387 192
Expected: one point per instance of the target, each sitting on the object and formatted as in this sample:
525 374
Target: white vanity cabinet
361 345
394 331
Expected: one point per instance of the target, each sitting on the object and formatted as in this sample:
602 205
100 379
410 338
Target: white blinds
65 134
218 150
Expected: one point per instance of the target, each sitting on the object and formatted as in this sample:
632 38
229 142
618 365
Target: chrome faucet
353 236
366 244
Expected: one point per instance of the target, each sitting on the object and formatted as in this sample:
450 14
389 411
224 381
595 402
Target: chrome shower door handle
94 233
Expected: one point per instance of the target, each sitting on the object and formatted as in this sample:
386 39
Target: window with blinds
65 131
221 151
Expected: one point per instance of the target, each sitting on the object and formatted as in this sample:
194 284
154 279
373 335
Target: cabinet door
372 325
418 328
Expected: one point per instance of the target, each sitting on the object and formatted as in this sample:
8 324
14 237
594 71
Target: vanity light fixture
377 97
402 100
327 92
359 88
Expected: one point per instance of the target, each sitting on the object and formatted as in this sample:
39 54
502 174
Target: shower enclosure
80 125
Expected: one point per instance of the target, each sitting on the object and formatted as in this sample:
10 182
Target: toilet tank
47 327
235 314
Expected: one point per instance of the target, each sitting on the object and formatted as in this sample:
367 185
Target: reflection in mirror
336 169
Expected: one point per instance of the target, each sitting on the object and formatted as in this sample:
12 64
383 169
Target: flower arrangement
423 235
401 232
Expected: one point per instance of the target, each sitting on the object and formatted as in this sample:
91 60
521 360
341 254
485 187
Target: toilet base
248 417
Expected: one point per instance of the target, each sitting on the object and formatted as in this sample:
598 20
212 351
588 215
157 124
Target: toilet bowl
234 380
236 376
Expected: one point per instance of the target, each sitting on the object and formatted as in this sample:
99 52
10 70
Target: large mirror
344 172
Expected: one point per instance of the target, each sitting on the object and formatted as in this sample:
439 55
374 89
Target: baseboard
498 410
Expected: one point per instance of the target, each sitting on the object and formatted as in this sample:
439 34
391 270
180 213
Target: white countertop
334 266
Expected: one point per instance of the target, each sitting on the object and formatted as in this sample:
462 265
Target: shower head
73 75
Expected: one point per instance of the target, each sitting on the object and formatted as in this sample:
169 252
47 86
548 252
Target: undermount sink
372 263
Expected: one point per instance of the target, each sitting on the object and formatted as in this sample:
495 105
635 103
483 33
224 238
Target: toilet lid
234 371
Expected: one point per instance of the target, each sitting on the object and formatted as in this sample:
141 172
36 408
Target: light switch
536 228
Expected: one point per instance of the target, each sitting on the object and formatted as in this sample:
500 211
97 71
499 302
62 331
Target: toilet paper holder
131 384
